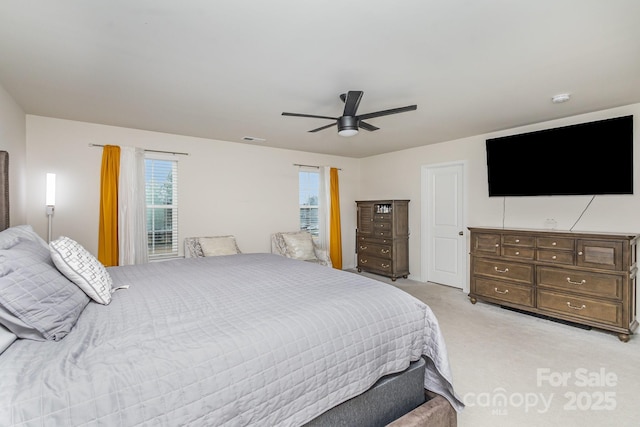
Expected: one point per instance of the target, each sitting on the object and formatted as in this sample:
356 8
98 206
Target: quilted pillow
299 245
11 236
36 301
82 268
218 245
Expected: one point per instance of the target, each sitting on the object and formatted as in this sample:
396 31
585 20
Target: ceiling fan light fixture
347 126
348 132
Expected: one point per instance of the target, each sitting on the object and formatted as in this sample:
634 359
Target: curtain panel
108 226
335 240
132 227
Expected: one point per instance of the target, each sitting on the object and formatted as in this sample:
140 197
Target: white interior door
444 246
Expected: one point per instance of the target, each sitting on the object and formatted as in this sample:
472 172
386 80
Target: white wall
251 191
13 140
224 188
397 175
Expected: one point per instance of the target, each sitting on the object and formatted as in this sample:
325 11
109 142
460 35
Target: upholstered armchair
299 245
195 247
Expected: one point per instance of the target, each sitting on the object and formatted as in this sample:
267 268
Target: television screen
584 159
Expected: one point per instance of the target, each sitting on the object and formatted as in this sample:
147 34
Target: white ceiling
226 69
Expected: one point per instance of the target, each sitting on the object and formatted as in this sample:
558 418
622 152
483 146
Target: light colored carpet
517 370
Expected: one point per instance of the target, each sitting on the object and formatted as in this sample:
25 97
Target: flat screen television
584 159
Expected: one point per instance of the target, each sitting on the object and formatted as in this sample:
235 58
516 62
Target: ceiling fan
349 123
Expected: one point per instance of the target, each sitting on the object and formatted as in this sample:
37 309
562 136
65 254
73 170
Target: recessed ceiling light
563 97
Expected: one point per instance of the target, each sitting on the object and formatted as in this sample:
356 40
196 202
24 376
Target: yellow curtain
335 236
108 228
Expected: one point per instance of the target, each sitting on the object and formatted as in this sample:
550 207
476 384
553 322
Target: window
309 186
161 190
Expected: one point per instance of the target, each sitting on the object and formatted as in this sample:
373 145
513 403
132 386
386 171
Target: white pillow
299 245
82 268
218 245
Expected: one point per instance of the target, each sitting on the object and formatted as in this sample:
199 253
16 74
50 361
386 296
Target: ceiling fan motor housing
347 123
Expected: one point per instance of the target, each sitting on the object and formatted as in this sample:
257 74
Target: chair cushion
299 245
218 245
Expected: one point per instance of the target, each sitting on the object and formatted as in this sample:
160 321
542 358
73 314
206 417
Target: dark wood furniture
585 278
382 237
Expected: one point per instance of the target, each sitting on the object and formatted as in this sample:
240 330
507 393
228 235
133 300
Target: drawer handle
385 265
506 291
553 244
363 247
384 251
582 282
364 261
497 245
554 257
517 240
574 307
501 271
382 233
517 252
580 253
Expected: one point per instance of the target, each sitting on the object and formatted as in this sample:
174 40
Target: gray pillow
11 236
36 300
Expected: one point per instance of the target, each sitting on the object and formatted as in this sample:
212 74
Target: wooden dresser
585 278
382 237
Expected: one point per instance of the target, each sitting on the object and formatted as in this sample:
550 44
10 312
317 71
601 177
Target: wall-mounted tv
583 159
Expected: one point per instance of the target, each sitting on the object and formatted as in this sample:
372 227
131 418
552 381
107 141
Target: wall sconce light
50 200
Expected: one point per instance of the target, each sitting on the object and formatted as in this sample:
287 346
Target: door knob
460 233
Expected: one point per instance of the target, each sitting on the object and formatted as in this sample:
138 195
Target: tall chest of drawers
382 237
586 278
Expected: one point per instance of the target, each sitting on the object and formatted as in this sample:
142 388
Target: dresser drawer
382 226
607 255
518 253
580 308
556 257
594 284
382 234
382 217
374 240
381 251
507 292
485 244
373 263
521 273
517 240
555 243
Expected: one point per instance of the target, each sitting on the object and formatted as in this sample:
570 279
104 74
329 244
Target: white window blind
309 189
161 189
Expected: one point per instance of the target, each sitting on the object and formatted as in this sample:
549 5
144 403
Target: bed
237 340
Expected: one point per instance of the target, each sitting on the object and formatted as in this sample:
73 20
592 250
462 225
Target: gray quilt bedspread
252 339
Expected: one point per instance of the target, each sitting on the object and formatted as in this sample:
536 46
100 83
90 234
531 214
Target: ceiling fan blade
309 115
367 126
387 112
323 127
351 102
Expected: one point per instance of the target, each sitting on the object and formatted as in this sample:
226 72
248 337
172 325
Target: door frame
425 218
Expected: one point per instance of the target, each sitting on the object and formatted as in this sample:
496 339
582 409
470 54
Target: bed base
397 400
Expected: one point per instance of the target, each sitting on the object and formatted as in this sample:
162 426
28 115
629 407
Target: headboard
4 190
